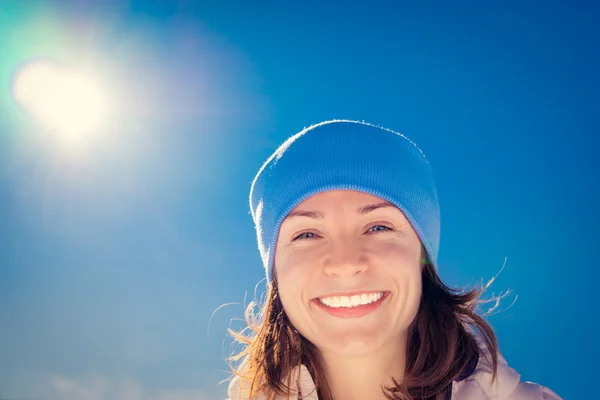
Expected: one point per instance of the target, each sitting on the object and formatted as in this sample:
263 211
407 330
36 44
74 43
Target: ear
424 259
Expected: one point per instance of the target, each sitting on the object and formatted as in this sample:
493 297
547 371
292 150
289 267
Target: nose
345 260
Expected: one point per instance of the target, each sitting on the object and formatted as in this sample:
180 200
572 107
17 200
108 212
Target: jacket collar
479 385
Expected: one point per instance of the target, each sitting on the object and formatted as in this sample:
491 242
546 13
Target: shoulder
239 388
506 386
533 391
300 378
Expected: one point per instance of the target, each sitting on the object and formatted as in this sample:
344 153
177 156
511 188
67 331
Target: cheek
413 286
294 270
402 265
297 263
292 277
291 295
401 255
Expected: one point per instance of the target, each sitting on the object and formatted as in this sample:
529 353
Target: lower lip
352 312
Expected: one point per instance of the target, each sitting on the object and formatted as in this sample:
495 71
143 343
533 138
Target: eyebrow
361 210
371 207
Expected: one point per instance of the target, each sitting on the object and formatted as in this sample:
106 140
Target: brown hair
442 342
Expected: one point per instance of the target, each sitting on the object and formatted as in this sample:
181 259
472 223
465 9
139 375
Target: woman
348 227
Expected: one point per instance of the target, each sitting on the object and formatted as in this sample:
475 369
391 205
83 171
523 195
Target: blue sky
116 251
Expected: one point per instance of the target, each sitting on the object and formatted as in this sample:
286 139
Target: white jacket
477 386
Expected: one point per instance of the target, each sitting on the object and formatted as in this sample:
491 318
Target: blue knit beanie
345 155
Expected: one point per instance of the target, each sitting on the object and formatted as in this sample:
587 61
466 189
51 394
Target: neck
364 376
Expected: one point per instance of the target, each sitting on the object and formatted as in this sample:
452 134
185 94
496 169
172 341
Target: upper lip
350 294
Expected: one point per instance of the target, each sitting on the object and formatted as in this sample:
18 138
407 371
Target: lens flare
65 100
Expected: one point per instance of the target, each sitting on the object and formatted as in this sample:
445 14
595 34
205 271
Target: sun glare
68 101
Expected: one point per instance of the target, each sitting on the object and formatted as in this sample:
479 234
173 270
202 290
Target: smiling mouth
351 301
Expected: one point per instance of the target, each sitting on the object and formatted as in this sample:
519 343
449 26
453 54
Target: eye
305 235
379 228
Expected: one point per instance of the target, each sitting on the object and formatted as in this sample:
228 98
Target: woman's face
348 271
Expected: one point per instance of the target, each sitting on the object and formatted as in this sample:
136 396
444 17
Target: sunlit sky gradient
116 247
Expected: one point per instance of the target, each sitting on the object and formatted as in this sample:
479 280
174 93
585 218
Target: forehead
337 198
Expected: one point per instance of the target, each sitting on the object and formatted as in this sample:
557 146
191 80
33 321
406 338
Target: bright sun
68 101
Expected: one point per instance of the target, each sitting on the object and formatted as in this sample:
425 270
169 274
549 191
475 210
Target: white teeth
351 301
345 301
